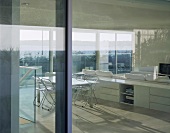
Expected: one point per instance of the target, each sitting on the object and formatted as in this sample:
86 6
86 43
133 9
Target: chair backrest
91 78
47 83
38 82
50 74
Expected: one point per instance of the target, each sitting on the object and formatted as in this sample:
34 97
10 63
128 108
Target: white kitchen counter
153 84
147 94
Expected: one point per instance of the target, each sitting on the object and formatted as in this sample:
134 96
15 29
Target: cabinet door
160 99
141 96
160 92
107 90
109 84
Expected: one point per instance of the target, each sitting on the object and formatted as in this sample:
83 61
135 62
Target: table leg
91 97
38 96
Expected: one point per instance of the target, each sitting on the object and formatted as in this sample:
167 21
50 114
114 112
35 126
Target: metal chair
80 90
49 91
40 89
87 91
92 80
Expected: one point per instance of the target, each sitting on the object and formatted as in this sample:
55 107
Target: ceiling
100 14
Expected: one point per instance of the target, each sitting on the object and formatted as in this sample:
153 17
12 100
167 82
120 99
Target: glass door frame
63 112
69 61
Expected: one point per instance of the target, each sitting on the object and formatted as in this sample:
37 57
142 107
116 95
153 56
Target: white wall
147 17
154 47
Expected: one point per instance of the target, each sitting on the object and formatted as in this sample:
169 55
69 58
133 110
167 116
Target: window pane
132 58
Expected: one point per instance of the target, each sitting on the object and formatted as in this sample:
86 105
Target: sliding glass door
34 47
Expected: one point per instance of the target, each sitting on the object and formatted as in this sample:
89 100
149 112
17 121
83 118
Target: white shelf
129 97
125 93
127 103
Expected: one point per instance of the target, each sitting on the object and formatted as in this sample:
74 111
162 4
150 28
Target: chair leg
95 97
34 102
43 99
87 98
48 107
76 96
52 98
74 93
53 101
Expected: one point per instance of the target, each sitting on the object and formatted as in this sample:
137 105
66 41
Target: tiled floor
45 123
105 118
118 118
45 119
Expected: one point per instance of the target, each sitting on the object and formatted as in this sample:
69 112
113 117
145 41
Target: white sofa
90 72
104 74
99 73
139 73
143 73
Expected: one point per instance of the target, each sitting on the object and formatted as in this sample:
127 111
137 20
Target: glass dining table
75 82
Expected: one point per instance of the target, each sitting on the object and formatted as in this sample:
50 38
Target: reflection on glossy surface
129 34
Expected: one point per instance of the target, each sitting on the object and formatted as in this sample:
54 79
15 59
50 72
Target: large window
103 50
34 48
84 48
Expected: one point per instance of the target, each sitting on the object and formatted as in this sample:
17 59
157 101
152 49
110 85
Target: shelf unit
127 94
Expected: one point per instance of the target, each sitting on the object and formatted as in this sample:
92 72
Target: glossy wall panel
32 33
9 85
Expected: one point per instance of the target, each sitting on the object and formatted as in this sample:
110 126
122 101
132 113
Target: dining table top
74 80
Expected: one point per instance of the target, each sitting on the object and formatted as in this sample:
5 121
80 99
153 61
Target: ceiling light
25 4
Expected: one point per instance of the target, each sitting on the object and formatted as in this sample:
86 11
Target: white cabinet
152 98
137 95
107 90
141 96
160 99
